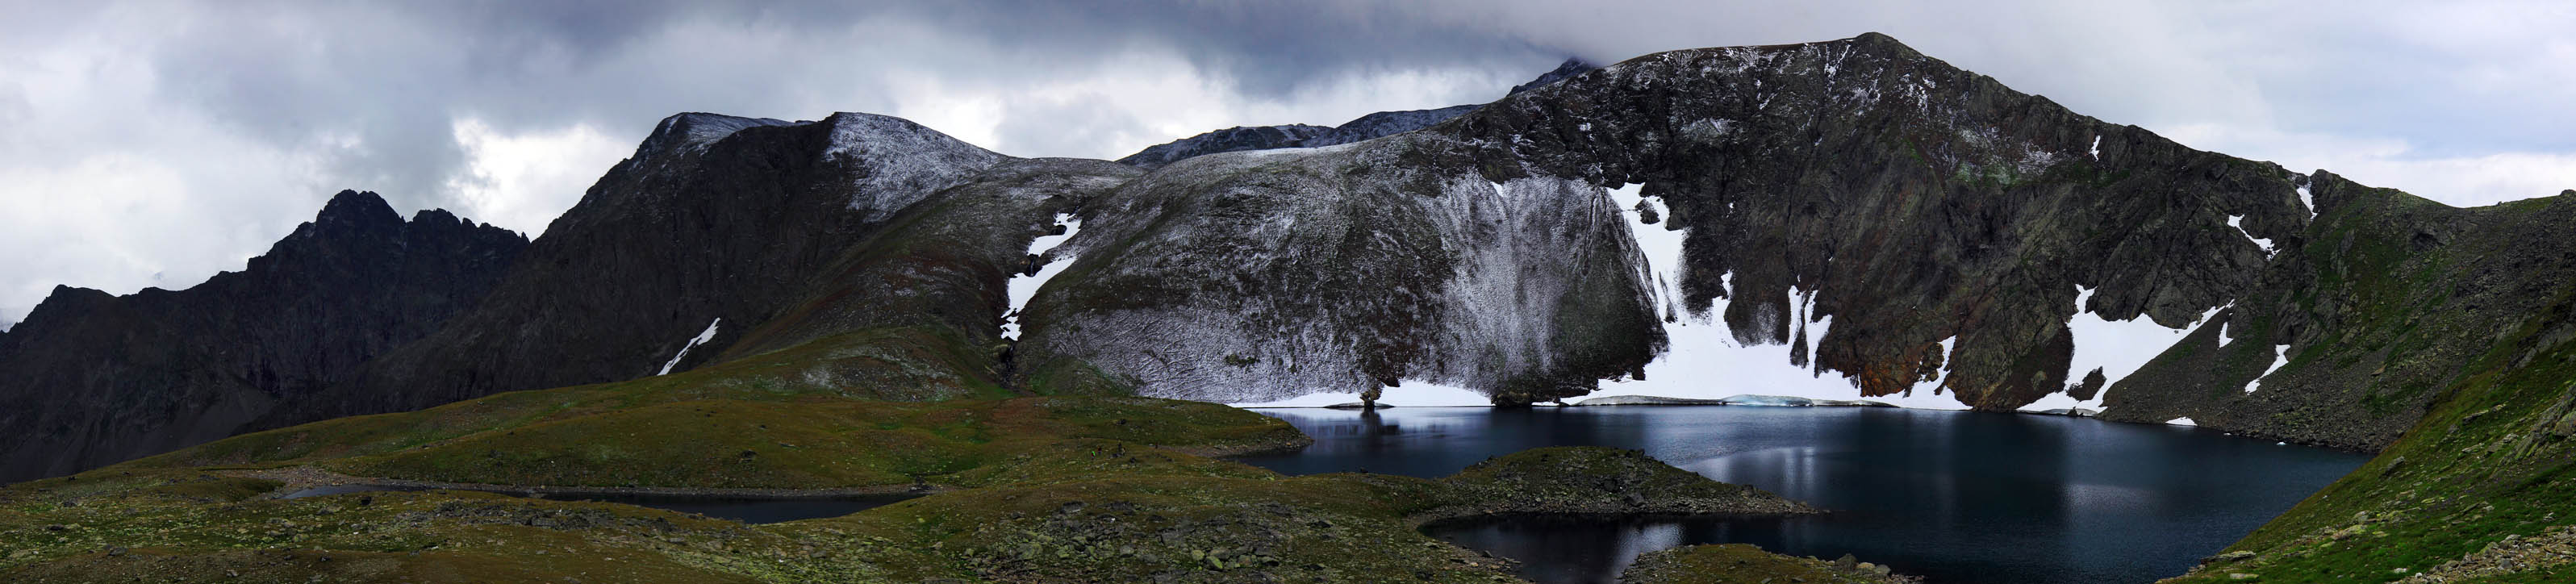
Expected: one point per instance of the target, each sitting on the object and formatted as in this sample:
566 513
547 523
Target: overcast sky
153 143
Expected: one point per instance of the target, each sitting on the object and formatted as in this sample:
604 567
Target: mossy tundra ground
1027 489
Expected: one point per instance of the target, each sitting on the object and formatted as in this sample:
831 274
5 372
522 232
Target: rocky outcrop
92 378
1256 276
2513 556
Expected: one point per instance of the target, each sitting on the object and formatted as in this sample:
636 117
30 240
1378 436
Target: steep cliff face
1264 275
93 378
1909 201
1912 204
710 229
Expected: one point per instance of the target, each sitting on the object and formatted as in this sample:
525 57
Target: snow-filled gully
1024 286
1703 351
702 338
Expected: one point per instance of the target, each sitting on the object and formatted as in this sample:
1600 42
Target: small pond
737 508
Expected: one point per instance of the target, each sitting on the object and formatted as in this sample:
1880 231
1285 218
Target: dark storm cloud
181 137
393 77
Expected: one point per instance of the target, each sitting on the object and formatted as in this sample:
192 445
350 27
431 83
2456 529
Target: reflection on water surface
1954 496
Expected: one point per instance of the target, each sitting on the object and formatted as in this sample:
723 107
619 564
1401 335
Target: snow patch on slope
1949 354
2305 196
2238 222
701 339
1705 360
2182 422
1024 286
2118 348
902 161
2280 356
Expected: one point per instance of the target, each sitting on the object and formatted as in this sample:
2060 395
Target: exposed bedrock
1909 201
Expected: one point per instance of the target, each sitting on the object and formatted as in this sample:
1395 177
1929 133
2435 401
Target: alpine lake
1955 497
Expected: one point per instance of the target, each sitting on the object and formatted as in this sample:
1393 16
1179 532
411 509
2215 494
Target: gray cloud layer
155 138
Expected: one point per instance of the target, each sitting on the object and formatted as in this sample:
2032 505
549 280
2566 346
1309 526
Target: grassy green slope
2382 305
2481 488
713 429
1209 522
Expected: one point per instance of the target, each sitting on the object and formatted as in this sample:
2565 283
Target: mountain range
1894 221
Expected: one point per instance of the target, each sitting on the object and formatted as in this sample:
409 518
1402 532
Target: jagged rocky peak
96 378
361 224
356 208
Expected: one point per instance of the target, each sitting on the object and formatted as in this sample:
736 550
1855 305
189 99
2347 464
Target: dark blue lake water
1957 497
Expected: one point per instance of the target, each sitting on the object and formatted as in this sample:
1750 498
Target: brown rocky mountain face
94 378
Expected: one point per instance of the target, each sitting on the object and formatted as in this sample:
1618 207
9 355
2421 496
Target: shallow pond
743 509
